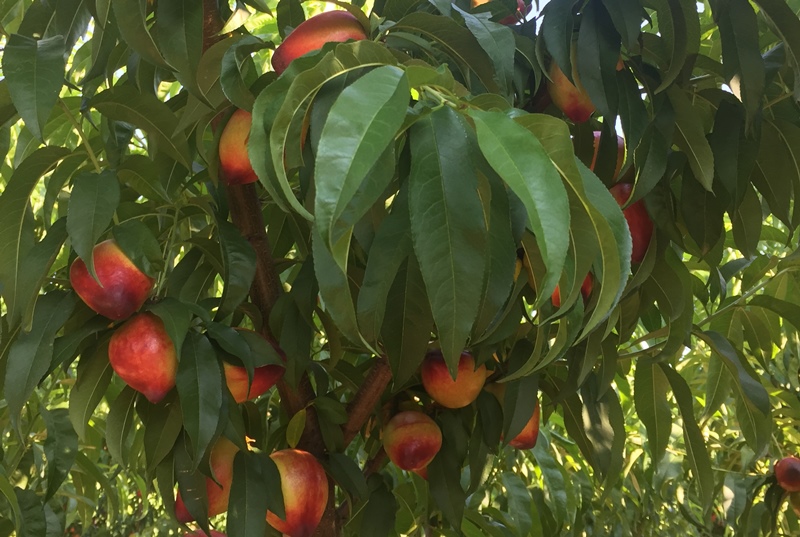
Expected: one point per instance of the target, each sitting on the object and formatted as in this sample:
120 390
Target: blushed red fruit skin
569 98
586 290
522 11
264 378
787 472
124 287
794 500
312 34
305 492
443 389
526 439
411 440
638 221
233 158
620 153
142 354
221 462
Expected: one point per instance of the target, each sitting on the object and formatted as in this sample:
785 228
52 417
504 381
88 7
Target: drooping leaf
200 387
240 267
30 355
93 378
519 158
34 74
94 200
61 448
652 407
361 124
449 240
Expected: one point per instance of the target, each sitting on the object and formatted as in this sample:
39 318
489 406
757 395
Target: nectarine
586 290
312 34
444 389
123 288
234 161
411 440
570 98
639 222
305 492
787 472
221 462
526 439
143 355
620 152
264 378
522 11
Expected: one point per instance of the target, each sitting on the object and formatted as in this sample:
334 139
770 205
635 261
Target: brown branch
369 394
265 291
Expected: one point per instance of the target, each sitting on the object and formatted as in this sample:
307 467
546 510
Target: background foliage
666 397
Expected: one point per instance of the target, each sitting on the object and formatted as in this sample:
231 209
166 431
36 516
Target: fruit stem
81 134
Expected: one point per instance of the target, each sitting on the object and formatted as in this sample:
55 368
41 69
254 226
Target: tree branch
363 403
264 293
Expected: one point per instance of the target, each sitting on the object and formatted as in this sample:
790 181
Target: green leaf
519 502
598 54
240 267
179 26
652 407
696 452
119 423
248 496
92 204
553 474
627 18
191 483
17 238
408 324
497 40
456 41
162 427
741 52
787 23
519 158
295 428
34 271
231 75
177 318
33 523
361 125
391 246
679 27
60 448
147 112
754 412
557 31
448 236
347 474
139 244
380 511
444 480
93 377
30 355
131 21
690 137
34 74
200 386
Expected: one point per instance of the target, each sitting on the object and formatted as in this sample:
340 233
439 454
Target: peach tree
399 267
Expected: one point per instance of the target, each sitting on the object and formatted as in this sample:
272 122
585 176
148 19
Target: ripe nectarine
586 290
123 288
312 34
449 392
143 355
570 98
522 11
787 472
639 222
526 439
221 462
411 440
234 161
305 492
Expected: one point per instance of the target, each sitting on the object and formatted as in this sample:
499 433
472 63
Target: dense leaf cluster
416 189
